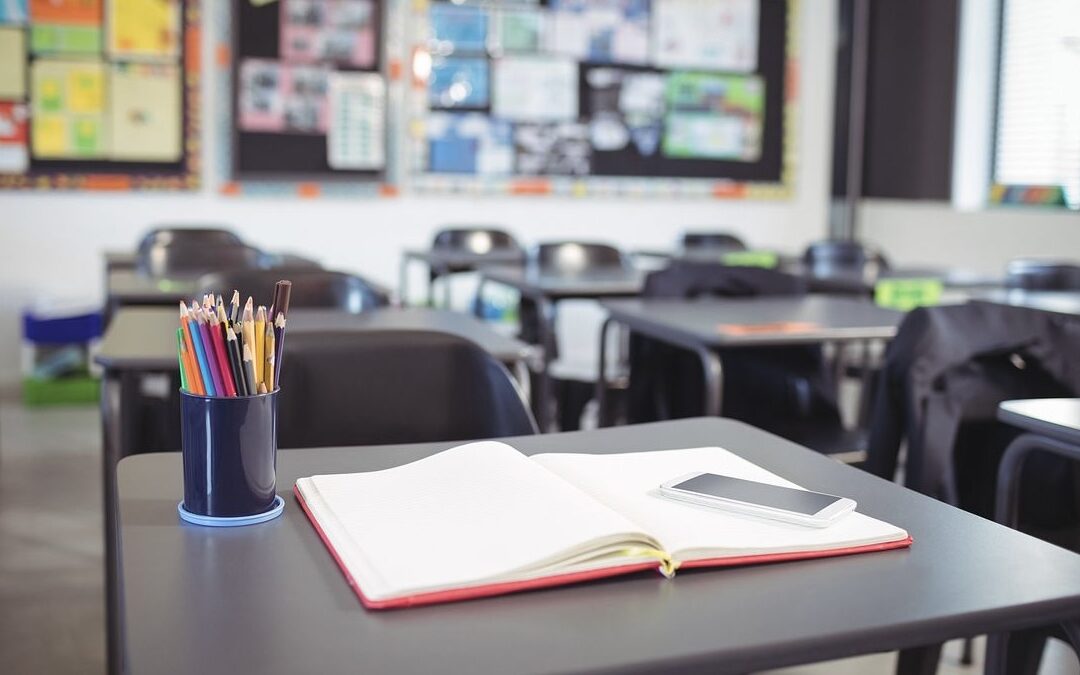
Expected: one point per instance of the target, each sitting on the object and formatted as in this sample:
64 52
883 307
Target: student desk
1058 302
443 262
127 286
269 599
546 289
696 325
141 341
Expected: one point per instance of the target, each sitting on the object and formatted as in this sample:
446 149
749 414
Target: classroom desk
269 599
695 325
128 287
546 289
1058 302
141 341
443 262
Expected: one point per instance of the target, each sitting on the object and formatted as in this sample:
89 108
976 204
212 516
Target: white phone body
766 502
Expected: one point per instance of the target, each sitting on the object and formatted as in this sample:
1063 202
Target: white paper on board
706 34
535 89
356 137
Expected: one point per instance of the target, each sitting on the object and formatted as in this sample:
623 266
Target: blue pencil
200 353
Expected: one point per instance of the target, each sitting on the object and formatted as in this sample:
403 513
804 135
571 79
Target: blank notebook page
629 482
460 517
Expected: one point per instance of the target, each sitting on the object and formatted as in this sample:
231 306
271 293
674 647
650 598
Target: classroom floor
51 581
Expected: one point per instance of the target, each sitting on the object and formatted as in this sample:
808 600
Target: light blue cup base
234 521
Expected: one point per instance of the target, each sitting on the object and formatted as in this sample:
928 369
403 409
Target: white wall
983 241
51 243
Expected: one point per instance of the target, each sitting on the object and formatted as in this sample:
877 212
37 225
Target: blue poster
459 83
12 11
456 29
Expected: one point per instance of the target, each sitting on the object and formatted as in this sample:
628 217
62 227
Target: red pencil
219 353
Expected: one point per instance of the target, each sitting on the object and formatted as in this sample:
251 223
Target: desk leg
544 395
601 378
403 282
119 404
478 303
919 660
714 381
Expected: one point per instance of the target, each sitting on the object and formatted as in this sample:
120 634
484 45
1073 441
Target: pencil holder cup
229 453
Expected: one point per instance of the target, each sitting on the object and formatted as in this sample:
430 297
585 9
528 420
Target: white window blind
1038 112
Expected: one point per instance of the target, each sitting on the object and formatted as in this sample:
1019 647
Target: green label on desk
766 259
907 294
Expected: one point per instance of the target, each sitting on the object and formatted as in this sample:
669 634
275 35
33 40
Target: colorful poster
13 123
12 63
516 30
601 31
714 116
13 11
535 89
356 138
148 29
82 12
457 29
338 31
67 108
470 143
624 107
278 98
559 149
58 38
706 34
458 83
145 112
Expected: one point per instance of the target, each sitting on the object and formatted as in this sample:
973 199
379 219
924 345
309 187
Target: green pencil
180 357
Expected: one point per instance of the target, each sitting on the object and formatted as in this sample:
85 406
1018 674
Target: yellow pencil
268 374
248 330
260 347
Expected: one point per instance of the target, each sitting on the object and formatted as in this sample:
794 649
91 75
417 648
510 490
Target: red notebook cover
571 577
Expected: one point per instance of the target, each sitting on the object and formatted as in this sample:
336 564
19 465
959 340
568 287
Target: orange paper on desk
483 519
781 327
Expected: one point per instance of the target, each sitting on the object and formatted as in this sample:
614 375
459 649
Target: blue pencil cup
229 454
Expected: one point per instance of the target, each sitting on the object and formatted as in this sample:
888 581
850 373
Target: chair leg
919 660
967 656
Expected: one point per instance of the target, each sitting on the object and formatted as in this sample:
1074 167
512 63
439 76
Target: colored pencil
180 354
194 375
248 335
279 311
236 362
219 351
222 325
208 349
200 353
260 342
249 367
234 308
268 367
279 339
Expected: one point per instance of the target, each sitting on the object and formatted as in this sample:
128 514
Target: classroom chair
1042 275
170 235
710 242
576 257
475 240
188 261
839 258
311 288
786 390
383 387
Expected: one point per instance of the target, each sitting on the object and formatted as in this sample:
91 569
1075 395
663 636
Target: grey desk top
1059 302
127 286
440 258
757 321
269 599
144 338
1054 417
598 284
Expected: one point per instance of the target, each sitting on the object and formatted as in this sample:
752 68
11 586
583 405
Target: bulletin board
307 92
99 94
603 97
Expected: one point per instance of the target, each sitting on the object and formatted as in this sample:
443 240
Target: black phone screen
751 492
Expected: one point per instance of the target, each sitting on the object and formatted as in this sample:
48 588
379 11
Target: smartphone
790 505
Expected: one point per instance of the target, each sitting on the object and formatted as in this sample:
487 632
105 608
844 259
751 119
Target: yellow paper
12 63
145 112
144 28
67 109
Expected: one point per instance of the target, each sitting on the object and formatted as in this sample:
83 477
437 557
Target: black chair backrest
474 240
186 261
188 236
382 387
570 257
833 257
711 241
310 288
686 279
1043 275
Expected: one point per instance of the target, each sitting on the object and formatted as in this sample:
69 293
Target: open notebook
483 519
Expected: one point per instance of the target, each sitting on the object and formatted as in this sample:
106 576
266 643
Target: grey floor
51 597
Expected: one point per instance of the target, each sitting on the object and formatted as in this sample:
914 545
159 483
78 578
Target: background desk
695 325
546 290
441 263
269 599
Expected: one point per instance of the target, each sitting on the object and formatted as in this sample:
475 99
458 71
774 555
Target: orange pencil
194 376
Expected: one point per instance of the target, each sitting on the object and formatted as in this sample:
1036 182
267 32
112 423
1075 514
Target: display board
307 89
99 94
603 96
